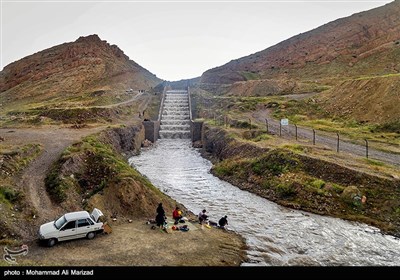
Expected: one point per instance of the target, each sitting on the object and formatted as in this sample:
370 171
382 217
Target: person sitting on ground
202 216
177 215
223 222
160 218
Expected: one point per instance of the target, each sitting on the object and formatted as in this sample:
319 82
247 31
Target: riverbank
136 244
94 172
300 181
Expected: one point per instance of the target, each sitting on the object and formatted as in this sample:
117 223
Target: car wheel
91 235
51 242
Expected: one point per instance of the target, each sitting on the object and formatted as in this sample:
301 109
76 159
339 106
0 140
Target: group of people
203 218
161 218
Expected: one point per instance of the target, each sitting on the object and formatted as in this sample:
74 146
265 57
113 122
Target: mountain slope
366 43
373 100
85 66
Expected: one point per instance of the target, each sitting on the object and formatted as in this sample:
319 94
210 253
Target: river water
275 235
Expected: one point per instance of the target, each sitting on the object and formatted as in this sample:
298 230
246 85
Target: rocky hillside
371 100
366 43
87 66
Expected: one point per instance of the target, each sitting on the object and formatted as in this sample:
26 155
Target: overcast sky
172 39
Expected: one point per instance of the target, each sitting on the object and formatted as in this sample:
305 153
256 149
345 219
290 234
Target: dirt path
322 138
136 97
136 244
53 140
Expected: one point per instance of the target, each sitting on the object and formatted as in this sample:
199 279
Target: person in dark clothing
160 209
223 222
160 218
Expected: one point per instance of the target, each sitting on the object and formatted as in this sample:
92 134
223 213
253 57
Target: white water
175 119
275 235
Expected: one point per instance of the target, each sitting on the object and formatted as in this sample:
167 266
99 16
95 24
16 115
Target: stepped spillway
175 118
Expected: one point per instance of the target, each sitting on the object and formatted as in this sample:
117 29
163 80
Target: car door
84 226
68 231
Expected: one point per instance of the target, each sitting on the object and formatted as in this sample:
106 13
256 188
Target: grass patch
274 163
302 108
262 137
56 185
15 158
242 124
374 162
390 127
318 183
255 135
100 166
309 114
295 148
337 188
9 195
232 167
286 190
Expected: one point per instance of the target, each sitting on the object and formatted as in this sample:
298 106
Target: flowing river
275 235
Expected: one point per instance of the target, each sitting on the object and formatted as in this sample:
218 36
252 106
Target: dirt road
323 138
54 140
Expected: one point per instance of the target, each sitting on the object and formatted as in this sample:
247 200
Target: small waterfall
175 118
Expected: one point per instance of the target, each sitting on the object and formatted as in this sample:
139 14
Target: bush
393 126
286 191
318 183
10 194
55 186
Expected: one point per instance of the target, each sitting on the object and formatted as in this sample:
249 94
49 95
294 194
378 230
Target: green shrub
393 126
286 190
55 185
318 183
9 194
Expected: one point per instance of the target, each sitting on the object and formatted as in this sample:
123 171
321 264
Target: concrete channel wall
195 126
152 128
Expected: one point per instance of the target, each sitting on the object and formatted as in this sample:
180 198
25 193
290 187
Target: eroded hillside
88 68
366 43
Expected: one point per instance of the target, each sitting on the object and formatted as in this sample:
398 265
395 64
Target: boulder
351 195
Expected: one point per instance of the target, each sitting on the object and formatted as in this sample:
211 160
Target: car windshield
59 223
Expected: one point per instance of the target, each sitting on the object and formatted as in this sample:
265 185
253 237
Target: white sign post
283 122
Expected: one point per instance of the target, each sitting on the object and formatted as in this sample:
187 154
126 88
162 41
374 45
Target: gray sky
172 39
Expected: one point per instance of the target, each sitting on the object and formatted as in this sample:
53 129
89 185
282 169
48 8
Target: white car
71 226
